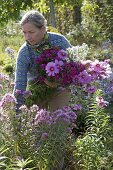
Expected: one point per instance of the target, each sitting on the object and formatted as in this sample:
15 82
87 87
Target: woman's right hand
51 84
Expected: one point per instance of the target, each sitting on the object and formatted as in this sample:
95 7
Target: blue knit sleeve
65 42
22 65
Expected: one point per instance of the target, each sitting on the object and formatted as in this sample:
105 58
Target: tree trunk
52 13
77 14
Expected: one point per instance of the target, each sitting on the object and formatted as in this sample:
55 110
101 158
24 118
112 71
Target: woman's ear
44 29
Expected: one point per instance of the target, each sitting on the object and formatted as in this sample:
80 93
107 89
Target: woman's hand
51 84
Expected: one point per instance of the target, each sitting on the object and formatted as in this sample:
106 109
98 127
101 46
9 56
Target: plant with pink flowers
53 135
6 84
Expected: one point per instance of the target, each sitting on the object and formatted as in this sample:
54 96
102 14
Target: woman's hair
34 17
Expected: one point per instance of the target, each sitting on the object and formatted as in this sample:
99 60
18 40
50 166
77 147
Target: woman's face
33 34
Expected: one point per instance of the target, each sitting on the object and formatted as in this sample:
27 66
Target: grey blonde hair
34 17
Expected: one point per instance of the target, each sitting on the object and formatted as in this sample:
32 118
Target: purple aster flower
62 54
18 92
75 79
52 69
9 50
91 89
66 108
27 93
63 116
43 117
44 135
72 116
77 107
58 63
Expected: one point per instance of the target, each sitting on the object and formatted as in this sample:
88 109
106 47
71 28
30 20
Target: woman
37 39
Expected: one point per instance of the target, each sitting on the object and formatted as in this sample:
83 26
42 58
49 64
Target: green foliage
1 62
11 10
40 93
97 19
9 163
90 153
52 150
9 69
91 149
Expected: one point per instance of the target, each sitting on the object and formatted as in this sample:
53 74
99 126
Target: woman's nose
27 37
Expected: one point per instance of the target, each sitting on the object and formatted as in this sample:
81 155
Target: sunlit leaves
11 9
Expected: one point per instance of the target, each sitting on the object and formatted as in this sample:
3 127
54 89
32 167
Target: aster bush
6 84
37 134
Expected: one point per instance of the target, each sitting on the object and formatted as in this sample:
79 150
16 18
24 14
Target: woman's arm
22 64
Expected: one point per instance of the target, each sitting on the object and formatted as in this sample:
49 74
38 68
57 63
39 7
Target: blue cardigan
26 69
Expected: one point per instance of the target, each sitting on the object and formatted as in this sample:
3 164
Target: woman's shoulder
23 49
56 39
53 35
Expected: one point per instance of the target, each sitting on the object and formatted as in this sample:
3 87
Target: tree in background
87 20
12 9
97 18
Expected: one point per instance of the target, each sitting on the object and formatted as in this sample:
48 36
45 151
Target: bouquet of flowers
57 69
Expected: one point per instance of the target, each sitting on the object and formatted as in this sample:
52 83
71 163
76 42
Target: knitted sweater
26 69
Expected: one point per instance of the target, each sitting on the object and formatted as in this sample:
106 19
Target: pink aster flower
34 108
101 102
24 108
7 100
100 69
96 66
51 69
62 54
84 77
